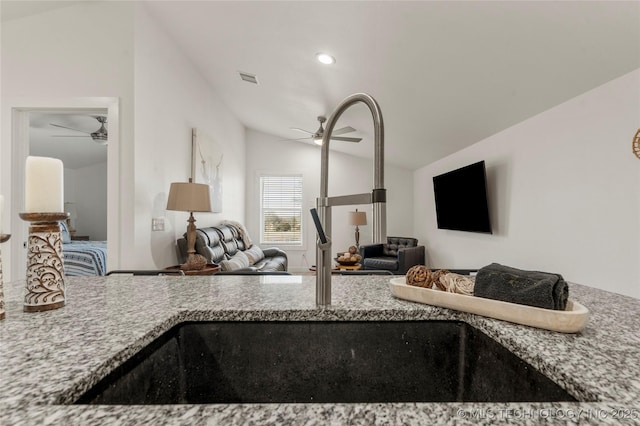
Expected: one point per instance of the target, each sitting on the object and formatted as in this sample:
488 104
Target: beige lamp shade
357 218
189 197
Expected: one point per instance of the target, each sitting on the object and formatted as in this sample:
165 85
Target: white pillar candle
44 185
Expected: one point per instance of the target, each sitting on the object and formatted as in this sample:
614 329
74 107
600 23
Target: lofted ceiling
20 9
446 74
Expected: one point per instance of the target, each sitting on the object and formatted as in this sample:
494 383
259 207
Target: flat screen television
461 199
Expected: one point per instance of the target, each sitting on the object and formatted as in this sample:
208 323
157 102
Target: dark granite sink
329 362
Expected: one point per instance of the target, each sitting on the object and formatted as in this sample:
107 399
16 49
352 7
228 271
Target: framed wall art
207 166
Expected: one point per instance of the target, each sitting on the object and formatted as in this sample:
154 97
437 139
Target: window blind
281 209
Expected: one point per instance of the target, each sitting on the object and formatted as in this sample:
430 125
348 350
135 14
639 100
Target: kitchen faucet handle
316 222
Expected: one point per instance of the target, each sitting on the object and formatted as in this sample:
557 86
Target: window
281 209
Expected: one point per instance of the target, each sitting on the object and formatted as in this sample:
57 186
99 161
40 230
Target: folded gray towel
540 289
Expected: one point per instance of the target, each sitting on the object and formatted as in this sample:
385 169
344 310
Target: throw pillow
64 233
237 261
255 254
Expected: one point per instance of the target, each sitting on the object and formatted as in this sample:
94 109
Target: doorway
63 109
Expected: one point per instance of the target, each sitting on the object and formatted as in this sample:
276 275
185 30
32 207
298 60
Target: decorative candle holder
45 268
3 238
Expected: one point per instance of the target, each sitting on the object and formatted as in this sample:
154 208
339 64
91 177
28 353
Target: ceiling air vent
248 77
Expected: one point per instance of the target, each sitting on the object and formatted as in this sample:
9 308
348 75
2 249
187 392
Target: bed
82 258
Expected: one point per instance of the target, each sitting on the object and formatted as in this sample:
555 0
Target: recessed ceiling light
325 58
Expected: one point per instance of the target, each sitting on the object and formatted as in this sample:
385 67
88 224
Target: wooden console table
210 269
338 267
355 267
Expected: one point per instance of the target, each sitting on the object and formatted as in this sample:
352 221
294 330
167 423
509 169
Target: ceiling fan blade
69 136
70 128
341 138
295 139
343 130
301 130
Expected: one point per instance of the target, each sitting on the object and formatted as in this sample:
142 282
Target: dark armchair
397 255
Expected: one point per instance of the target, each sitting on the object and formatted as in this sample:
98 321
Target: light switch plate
157 224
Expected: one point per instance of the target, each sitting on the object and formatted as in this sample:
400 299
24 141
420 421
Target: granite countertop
48 359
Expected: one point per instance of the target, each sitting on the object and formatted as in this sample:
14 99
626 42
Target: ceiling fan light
317 141
101 135
101 138
325 58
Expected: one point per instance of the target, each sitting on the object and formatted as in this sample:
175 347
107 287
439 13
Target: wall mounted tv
461 199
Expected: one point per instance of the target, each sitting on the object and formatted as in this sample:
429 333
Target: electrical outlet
157 224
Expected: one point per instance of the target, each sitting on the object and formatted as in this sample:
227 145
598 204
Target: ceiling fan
317 135
100 136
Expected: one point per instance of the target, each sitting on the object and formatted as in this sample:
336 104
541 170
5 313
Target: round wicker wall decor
636 144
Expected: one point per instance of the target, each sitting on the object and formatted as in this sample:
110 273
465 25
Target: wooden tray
571 320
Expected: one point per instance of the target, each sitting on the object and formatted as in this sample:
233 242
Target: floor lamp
190 197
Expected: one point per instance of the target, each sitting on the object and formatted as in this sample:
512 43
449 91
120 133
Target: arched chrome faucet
377 197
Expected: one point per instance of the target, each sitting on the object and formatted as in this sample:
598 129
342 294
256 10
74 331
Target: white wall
80 51
104 49
347 175
91 201
87 188
171 99
564 193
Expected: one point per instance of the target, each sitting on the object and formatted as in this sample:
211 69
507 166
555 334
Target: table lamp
190 197
357 218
